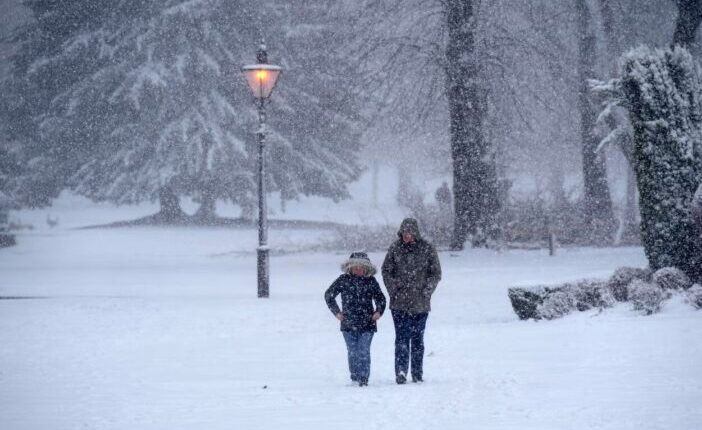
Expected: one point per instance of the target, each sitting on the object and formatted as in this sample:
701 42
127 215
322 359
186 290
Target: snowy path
160 329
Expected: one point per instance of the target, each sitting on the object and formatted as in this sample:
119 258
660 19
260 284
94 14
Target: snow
76 211
160 328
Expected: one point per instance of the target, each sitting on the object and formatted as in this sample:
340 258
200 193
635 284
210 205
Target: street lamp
262 78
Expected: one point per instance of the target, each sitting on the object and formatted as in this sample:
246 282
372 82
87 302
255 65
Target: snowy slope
160 329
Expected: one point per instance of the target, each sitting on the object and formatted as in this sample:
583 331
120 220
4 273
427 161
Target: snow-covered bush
646 297
526 302
622 277
588 294
556 305
671 278
645 290
694 296
554 302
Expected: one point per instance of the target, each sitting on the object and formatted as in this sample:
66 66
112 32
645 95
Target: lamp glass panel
262 81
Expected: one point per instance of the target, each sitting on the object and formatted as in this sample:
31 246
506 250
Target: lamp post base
263 273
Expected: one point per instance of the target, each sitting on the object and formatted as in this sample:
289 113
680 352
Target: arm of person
379 299
696 209
434 271
388 271
330 297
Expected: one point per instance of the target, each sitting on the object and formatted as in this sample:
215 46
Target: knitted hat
359 259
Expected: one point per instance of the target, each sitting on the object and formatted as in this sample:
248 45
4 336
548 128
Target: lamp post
262 78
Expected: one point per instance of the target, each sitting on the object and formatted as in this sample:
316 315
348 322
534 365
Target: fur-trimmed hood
359 259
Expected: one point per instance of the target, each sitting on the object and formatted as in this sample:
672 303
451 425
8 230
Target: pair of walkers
411 272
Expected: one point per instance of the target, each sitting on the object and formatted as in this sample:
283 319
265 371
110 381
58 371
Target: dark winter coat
696 210
411 271
357 296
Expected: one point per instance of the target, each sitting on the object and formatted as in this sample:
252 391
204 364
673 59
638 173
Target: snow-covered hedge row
645 290
621 279
554 302
646 297
581 296
671 278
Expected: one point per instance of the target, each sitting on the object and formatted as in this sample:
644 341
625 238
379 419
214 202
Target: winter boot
401 378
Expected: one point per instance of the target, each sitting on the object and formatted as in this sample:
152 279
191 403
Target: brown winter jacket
696 212
411 271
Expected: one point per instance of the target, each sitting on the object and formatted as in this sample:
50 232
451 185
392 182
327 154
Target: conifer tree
662 91
136 101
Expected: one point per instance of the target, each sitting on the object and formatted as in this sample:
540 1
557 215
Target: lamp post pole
263 250
262 78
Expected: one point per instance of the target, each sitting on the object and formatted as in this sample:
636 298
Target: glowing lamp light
261 78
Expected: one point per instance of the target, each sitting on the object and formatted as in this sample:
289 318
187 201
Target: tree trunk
611 40
170 206
473 174
689 17
630 222
248 211
206 211
374 182
598 203
630 225
404 185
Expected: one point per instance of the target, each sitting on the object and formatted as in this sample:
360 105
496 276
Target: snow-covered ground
154 328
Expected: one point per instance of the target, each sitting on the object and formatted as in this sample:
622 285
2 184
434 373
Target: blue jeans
358 347
409 341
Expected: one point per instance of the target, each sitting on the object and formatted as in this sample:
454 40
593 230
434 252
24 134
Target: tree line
126 101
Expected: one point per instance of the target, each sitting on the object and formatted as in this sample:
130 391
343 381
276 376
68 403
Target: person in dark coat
362 304
411 272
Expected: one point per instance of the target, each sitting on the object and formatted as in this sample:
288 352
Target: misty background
129 102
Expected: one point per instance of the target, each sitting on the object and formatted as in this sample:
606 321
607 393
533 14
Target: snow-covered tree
9 169
157 114
625 24
153 105
315 111
520 115
687 23
662 91
597 200
26 100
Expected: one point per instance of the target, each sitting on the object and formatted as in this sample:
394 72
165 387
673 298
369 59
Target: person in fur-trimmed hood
362 304
411 272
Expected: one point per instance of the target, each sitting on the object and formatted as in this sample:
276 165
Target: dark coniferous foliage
687 23
129 101
662 91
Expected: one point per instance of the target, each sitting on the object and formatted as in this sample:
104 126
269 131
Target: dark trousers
409 341
358 347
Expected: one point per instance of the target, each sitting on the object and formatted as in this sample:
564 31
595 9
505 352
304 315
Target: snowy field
148 328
